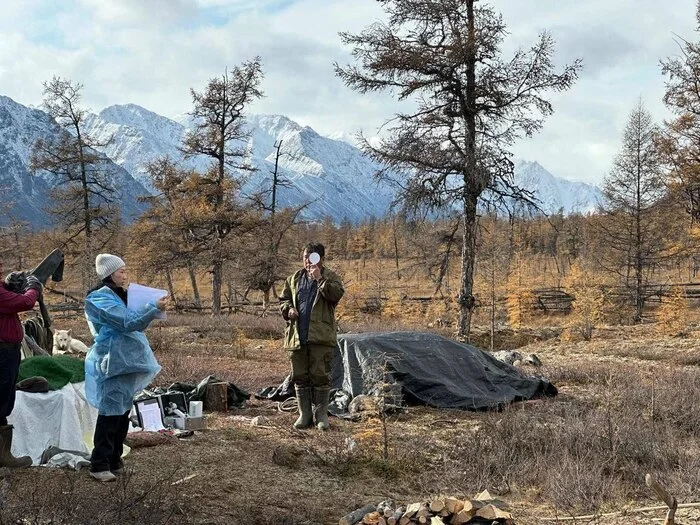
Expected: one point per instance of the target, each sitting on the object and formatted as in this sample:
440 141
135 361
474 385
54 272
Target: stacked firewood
482 509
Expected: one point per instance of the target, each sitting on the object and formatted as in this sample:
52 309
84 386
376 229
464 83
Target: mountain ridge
328 173
20 128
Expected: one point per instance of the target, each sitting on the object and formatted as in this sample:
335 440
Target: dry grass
627 406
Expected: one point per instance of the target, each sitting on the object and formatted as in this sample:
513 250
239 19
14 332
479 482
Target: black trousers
10 356
110 433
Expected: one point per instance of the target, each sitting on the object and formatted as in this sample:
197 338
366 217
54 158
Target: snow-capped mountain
555 193
329 173
134 136
332 176
26 197
344 136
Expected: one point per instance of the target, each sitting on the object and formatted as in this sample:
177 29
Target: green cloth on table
58 370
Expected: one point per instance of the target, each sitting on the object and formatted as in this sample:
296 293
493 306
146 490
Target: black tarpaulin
431 370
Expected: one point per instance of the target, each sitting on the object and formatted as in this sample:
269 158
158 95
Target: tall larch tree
164 234
469 105
219 133
84 202
633 192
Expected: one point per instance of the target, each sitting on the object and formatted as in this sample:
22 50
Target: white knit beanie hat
106 264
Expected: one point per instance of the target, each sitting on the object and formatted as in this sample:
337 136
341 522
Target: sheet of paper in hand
140 295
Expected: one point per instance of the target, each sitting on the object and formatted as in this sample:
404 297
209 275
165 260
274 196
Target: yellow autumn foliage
673 314
588 306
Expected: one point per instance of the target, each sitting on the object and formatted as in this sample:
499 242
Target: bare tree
84 200
219 133
493 264
12 242
263 261
471 105
633 194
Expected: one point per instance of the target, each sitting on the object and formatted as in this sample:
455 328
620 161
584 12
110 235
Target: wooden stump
664 496
216 397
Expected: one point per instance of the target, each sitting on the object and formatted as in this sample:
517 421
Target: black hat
33 384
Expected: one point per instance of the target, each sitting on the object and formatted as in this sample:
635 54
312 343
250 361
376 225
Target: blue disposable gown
120 363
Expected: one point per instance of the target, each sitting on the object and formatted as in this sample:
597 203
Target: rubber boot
305 419
321 396
6 457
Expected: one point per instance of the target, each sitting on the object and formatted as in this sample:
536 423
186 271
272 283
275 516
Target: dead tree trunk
195 290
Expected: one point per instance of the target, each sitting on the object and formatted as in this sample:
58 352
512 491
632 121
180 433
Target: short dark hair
317 247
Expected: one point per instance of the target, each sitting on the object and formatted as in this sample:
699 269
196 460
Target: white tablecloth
62 418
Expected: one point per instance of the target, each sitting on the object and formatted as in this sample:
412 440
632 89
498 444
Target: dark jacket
323 329
11 304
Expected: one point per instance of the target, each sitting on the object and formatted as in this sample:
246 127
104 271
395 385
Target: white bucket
196 408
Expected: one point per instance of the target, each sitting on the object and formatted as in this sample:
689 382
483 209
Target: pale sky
151 52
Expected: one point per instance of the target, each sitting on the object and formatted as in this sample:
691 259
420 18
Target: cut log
436 521
404 520
491 512
437 504
498 503
386 508
356 515
472 505
484 498
216 397
371 518
484 495
463 516
381 520
453 505
423 512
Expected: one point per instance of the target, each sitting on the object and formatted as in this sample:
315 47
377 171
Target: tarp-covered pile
431 370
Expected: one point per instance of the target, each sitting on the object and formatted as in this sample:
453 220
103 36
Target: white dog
63 342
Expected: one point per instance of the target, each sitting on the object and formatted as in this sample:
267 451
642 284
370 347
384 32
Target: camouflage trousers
311 365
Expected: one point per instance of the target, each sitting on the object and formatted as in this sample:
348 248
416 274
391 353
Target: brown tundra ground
628 404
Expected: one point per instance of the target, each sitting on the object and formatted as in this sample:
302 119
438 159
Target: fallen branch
622 512
445 421
183 479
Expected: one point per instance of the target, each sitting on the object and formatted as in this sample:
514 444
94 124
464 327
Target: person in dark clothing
11 335
308 305
119 363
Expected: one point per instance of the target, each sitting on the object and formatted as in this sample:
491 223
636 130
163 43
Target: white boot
104 476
